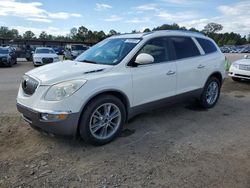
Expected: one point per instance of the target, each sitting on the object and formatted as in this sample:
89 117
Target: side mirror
247 56
144 58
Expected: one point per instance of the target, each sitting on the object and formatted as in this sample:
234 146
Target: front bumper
67 127
238 73
4 63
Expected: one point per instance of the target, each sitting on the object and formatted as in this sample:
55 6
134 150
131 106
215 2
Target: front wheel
211 93
103 119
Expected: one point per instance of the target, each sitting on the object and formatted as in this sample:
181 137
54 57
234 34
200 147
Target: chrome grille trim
244 67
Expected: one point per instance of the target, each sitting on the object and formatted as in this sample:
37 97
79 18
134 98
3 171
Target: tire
236 79
211 93
94 123
10 64
28 58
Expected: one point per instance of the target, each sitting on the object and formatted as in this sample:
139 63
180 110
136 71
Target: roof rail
184 31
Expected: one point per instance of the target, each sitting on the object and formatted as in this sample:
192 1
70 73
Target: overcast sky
57 17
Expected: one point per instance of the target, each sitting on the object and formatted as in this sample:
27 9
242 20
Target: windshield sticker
132 41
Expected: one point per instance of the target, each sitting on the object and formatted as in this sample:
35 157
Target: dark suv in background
7 56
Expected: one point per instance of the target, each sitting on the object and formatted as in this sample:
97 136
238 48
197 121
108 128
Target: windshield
110 51
4 51
78 47
44 51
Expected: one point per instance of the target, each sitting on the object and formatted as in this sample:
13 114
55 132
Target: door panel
190 74
157 80
189 63
153 82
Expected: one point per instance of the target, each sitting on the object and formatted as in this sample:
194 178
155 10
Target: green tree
220 42
173 26
14 34
4 32
101 35
146 30
29 35
73 33
212 28
43 35
193 29
134 31
112 32
82 33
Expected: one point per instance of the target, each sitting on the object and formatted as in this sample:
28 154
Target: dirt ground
179 146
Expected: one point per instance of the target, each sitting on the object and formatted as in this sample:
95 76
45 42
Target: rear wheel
102 120
211 93
236 79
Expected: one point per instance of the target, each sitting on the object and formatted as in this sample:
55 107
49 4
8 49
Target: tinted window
207 45
110 51
184 47
79 47
158 49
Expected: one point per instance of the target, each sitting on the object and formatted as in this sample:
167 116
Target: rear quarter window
207 45
184 47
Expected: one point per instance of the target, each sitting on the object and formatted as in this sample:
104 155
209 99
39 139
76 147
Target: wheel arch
216 75
117 93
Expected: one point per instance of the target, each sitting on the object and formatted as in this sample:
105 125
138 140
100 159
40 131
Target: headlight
235 65
62 90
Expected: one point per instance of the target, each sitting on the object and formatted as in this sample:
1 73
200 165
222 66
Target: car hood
67 70
243 61
44 55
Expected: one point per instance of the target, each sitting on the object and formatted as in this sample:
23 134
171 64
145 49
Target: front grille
244 67
3 59
29 85
47 60
241 75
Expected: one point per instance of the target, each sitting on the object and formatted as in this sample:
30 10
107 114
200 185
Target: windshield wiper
88 61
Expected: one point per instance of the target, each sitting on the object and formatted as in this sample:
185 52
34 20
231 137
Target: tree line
83 34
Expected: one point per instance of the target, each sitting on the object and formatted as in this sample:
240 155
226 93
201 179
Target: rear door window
184 47
207 45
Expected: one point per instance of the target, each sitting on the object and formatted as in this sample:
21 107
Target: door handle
200 66
170 72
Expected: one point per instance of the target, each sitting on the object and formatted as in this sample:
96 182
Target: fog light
53 117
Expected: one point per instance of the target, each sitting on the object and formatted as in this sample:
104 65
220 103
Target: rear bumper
67 127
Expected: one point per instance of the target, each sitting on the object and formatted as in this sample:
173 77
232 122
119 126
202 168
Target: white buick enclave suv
118 78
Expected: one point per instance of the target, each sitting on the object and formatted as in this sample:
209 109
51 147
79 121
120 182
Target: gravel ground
179 146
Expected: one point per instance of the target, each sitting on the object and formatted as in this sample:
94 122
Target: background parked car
235 49
44 56
7 56
74 50
59 50
240 69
